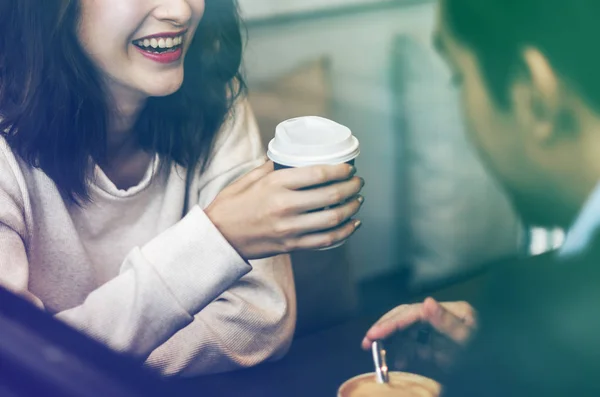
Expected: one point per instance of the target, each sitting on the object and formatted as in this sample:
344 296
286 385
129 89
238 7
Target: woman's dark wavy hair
566 31
53 110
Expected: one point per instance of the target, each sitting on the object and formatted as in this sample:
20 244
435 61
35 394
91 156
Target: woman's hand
449 326
266 213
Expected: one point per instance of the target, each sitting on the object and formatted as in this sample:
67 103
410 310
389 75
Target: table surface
316 365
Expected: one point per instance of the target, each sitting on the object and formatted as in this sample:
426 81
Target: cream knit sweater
130 270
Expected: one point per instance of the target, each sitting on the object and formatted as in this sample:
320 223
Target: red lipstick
162 57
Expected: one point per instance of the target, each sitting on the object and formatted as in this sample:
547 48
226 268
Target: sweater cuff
195 261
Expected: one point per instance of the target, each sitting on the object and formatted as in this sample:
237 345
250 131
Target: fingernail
352 170
362 182
360 200
357 225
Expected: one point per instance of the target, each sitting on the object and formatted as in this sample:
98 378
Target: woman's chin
161 84
163 90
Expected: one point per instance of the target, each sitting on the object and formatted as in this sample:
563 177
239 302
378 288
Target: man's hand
450 324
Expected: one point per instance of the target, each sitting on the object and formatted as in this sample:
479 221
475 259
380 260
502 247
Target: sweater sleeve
254 320
160 288
154 296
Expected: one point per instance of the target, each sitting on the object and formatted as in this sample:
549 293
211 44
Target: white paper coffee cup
312 140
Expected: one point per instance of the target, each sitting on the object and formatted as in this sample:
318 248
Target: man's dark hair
566 31
53 108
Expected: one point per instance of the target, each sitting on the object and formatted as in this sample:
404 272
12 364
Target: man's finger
398 319
446 322
397 311
462 310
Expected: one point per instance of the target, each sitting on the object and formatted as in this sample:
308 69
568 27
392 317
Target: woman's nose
177 12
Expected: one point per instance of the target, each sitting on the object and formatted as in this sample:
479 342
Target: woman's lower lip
164 57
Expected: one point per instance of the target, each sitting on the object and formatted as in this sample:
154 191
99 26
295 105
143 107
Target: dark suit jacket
539 331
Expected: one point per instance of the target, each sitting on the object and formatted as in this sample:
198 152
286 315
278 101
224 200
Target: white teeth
168 42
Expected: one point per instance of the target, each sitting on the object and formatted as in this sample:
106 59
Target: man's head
529 75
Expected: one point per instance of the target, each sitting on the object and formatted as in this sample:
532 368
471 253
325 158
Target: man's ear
538 99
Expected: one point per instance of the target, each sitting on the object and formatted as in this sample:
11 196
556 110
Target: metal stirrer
381 368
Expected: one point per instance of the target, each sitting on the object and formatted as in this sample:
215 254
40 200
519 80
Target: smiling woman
116 213
56 68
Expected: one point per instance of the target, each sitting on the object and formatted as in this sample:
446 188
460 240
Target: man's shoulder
552 297
549 277
539 330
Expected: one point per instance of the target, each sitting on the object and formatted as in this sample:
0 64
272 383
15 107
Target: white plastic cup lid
312 140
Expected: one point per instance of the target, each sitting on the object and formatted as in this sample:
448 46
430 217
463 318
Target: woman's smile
162 47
